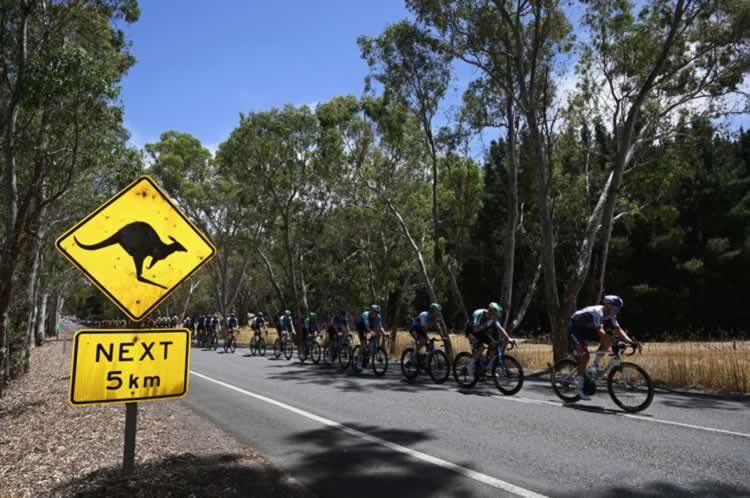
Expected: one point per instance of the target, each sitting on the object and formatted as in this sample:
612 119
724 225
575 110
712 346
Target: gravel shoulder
49 448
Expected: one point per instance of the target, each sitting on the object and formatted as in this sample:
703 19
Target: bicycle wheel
251 346
328 356
315 353
357 357
461 371
563 379
380 362
345 356
437 364
630 387
232 346
260 347
288 349
277 347
409 364
507 374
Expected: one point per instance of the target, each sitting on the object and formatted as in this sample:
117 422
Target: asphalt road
357 435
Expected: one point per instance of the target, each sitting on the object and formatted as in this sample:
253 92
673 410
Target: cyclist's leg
577 339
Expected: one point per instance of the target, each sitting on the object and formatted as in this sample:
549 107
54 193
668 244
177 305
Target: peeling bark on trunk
41 320
526 301
274 282
506 290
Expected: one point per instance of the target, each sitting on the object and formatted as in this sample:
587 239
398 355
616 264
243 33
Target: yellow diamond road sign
127 365
137 248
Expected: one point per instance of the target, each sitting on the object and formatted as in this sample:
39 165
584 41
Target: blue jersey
365 320
311 324
480 318
423 321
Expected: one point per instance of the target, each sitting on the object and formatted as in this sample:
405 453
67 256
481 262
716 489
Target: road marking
519 399
464 471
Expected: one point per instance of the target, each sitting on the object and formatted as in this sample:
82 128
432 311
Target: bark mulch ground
48 448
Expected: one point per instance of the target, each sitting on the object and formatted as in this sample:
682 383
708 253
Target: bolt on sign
137 248
128 365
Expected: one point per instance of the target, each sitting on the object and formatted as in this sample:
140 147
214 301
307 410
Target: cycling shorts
579 336
418 333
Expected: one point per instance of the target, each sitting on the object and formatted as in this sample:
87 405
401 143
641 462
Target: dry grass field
712 366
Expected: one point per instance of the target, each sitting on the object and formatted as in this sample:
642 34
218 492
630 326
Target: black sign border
74 364
91 278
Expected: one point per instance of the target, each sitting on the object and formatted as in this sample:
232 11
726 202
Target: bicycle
283 345
257 344
507 372
341 350
212 342
230 342
310 347
629 385
361 356
434 362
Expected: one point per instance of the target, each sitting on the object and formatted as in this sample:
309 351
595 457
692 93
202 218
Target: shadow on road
349 467
185 475
348 381
660 489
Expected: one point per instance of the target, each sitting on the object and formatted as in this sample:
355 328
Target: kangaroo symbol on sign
139 240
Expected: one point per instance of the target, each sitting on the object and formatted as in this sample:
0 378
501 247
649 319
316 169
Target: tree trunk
506 290
456 290
526 301
41 320
417 252
397 311
192 288
274 282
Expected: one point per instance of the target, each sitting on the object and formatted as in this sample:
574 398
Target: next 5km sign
127 365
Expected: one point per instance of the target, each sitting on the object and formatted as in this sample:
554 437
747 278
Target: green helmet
496 309
436 307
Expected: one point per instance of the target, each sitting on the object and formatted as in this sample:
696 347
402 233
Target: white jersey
592 317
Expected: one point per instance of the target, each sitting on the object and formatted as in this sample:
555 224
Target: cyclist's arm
505 333
621 333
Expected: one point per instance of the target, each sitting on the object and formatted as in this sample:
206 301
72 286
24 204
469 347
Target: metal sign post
131 416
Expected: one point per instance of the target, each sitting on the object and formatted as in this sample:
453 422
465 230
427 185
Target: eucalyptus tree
60 68
407 62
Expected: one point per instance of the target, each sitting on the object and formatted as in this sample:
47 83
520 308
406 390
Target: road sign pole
131 415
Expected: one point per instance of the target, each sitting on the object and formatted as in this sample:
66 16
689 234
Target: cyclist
310 326
368 323
587 324
259 323
286 324
482 329
425 321
337 327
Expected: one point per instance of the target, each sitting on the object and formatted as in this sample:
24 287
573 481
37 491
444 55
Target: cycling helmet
287 312
436 307
313 315
613 300
375 308
260 314
496 309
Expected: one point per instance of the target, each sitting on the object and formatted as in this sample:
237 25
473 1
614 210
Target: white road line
464 471
519 399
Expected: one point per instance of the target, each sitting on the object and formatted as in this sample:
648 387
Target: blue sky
199 65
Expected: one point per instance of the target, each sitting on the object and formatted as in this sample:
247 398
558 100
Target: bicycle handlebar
627 348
